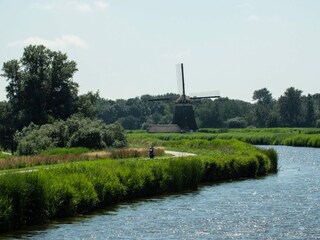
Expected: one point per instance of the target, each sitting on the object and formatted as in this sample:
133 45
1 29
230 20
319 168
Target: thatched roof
164 128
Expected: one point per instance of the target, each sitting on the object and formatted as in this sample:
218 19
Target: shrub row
76 131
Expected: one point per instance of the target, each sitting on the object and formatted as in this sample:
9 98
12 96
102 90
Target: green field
66 189
302 137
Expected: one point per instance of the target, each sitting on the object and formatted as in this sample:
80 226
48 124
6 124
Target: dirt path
180 154
173 153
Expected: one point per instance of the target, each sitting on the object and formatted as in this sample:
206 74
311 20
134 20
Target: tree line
292 109
41 91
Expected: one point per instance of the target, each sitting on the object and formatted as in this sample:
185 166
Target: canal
281 206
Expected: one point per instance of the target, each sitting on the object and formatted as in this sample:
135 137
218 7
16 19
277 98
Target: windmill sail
179 78
200 95
184 116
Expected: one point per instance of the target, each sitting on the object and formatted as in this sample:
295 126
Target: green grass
4 155
65 155
64 151
68 189
307 137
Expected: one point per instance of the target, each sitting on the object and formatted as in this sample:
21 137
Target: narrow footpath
179 154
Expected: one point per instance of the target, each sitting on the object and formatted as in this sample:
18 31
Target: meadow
70 188
67 155
299 137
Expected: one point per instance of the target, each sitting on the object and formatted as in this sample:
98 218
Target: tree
309 112
290 106
87 105
237 122
316 101
40 86
263 96
208 113
6 130
263 107
230 108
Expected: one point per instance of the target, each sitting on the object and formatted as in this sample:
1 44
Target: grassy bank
78 187
304 137
66 155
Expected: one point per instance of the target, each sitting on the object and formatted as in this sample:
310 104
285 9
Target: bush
74 132
34 142
237 122
89 137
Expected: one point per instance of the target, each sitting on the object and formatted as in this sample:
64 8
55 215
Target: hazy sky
128 48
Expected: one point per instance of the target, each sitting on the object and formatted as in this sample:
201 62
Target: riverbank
75 188
298 137
281 206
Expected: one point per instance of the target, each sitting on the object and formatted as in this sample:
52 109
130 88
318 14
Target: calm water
281 206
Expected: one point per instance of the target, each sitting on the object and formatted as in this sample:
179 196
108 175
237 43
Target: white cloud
178 55
101 5
43 6
247 6
82 7
253 18
58 43
74 5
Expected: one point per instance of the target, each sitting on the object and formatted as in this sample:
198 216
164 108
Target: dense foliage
292 109
139 113
76 131
69 189
40 90
40 86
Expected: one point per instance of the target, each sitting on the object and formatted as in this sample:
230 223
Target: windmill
183 116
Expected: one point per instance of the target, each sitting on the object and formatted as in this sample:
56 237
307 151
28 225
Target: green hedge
76 131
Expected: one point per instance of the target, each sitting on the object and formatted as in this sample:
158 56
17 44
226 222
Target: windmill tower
183 116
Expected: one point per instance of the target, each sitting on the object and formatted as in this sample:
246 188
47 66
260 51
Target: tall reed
72 188
65 155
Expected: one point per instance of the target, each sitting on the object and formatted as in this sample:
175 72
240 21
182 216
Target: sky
129 48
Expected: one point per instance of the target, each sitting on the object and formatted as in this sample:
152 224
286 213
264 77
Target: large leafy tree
308 111
6 130
290 107
263 96
263 107
208 113
40 86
